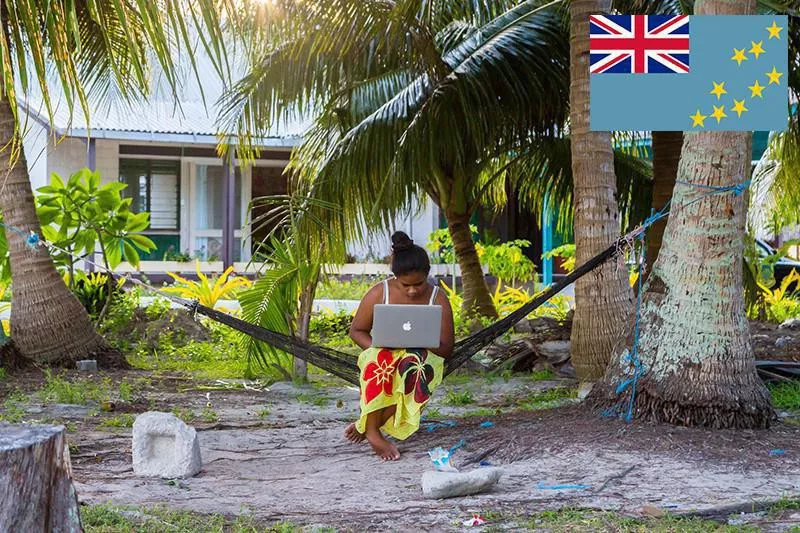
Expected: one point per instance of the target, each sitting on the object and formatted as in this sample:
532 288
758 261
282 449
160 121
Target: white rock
554 351
437 485
584 389
790 323
163 446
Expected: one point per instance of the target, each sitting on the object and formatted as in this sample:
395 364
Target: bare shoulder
442 299
374 294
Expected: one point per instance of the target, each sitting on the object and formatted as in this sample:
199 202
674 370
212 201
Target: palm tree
695 363
95 50
413 97
602 302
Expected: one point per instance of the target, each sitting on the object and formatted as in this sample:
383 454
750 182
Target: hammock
344 365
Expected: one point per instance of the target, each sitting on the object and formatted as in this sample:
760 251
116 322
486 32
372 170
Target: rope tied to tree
640 233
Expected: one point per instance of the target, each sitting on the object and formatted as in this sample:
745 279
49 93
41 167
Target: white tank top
434 292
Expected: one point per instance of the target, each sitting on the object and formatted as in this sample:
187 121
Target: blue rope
31 238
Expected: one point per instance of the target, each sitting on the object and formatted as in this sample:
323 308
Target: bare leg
383 448
352 434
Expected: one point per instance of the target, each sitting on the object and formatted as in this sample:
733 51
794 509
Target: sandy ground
294 464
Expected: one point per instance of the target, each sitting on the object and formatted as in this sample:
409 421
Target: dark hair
407 256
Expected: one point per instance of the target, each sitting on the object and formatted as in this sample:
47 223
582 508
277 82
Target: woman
397 383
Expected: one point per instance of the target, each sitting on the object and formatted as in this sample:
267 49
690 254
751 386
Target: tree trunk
602 301
666 155
476 293
48 324
303 323
698 366
36 481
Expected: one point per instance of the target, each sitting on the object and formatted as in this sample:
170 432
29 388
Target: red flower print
379 376
416 374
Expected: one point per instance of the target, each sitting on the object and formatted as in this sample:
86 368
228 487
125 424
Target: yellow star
697 119
719 89
774 31
755 90
719 113
738 56
774 76
757 48
739 107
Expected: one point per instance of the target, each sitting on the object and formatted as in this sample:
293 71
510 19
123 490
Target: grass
786 396
3 373
483 412
113 519
13 411
124 420
313 399
263 413
463 397
543 375
580 520
547 398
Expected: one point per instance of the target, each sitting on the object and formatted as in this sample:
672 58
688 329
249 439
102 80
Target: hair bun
401 242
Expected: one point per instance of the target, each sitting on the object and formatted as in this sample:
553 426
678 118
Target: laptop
406 326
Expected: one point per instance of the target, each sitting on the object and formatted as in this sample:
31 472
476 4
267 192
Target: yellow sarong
405 378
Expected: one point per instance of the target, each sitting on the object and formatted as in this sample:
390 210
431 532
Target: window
154 186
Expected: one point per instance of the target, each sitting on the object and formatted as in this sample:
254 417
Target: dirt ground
278 453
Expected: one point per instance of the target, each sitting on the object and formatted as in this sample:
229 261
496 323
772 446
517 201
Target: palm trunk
603 301
694 346
666 155
48 324
477 299
303 323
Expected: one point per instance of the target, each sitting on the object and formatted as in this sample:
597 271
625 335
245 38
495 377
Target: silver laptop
406 326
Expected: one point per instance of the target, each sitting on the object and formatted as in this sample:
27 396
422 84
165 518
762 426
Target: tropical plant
92 290
693 363
566 252
414 98
93 52
82 213
207 291
281 299
781 302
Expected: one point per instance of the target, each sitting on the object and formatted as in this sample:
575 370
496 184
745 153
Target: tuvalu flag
688 73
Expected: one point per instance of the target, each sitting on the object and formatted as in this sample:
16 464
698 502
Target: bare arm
362 322
447 338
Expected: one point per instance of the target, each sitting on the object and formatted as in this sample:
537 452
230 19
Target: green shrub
355 289
330 329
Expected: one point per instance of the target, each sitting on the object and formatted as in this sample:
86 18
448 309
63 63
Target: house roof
159 118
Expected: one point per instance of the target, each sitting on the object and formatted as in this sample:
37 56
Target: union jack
639 44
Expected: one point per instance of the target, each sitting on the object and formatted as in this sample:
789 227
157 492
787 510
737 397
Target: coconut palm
694 363
412 98
87 51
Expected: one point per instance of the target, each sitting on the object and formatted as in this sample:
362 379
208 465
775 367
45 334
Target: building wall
375 248
34 142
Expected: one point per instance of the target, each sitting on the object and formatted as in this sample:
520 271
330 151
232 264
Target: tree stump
36 481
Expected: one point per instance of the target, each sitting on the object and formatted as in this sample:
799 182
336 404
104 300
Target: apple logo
407 326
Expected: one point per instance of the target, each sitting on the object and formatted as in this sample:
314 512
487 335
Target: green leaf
142 242
56 183
137 222
130 253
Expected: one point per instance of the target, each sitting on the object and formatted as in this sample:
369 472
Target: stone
780 342
790 323
542 323
555 352
163 446
438 485
87 365
584 389
523 326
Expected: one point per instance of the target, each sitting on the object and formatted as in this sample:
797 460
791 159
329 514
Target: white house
167 155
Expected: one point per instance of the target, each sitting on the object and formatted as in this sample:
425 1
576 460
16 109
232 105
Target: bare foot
352 434
383 448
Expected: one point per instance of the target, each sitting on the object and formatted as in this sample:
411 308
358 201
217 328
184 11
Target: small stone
790 323
163 446
584 389
438 485
523 326
87 365
780 342
555 352
542 323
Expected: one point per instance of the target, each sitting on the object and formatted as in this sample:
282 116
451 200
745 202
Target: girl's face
413 283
